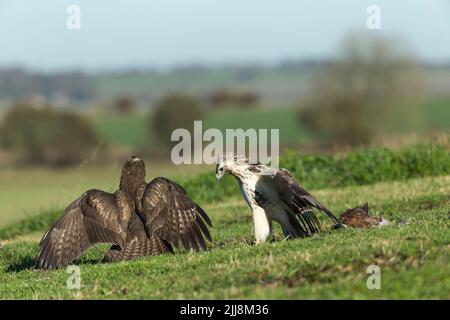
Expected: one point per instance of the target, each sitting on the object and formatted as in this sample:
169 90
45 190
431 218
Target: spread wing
168 212
137 243
298 200
93 218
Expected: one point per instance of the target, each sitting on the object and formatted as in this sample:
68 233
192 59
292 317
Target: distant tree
175 111
125 105
372 86
220 97
248 99
234 98
47 136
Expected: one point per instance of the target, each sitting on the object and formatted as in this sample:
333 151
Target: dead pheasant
358 217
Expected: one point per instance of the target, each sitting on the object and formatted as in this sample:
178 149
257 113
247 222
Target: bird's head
231 163
133 174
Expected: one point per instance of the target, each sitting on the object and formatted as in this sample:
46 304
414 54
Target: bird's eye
221 169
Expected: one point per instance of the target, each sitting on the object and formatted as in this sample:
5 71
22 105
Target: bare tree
371 87
173 111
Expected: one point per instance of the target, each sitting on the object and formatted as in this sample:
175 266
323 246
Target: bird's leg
271 229
261 224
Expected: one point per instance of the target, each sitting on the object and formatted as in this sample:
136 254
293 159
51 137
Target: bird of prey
275 197
139 219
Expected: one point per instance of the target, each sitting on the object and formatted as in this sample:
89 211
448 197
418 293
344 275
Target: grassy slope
413 256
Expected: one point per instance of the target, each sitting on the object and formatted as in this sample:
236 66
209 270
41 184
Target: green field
130 131
413 254
284 119
27 191
133 130
409 186
436 114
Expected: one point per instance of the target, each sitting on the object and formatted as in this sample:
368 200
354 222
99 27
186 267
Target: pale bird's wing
298 200
168 212
92 218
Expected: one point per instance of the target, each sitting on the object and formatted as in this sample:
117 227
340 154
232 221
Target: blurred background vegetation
376 92
62 131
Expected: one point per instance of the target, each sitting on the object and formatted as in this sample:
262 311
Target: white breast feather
248 186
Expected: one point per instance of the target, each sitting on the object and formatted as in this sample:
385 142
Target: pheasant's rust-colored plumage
359 217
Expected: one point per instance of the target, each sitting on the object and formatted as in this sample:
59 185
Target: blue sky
163 33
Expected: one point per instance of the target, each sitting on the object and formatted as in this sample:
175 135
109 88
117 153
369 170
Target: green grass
410 187
133 130
284 119
27 191
24 192
130 130
354 168
436 114
413 254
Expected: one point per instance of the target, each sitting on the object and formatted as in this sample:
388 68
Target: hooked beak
218 176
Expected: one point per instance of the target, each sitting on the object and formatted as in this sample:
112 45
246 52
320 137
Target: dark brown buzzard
139 219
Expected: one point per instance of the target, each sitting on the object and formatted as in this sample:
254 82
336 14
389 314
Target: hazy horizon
161 35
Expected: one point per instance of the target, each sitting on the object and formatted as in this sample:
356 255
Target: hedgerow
330 171
312 171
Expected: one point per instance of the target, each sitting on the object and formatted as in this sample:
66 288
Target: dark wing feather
168 212
92 218
137 244
299 200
